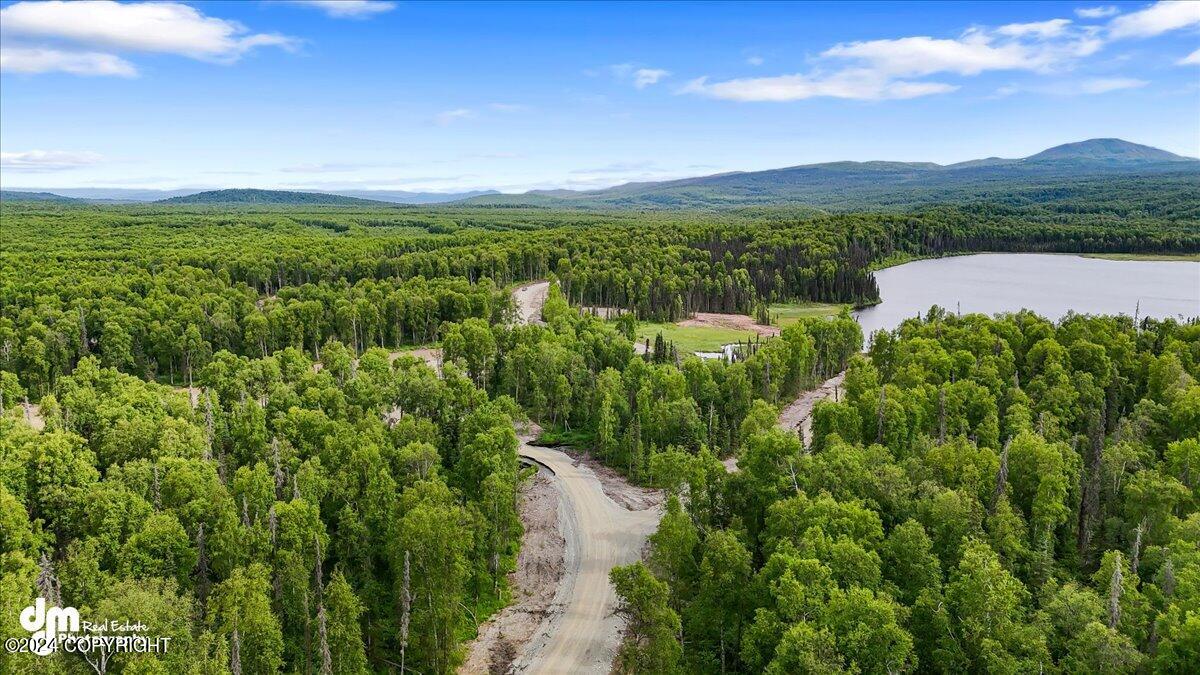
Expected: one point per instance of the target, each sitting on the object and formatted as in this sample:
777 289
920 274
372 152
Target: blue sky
447 97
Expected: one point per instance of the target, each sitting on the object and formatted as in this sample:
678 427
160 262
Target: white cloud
1040 29
1192 59
38 161
1159 18
860 84
30 60
337 167
644 77
1096 12
640 77
449 117
973 53
616 167
1103 85
892 68
755 60
160 27
349 9
1085 87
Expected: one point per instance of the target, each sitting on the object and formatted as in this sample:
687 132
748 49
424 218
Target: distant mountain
112 194
23 196
274 197
1106 150
405 197
1056 175
133 195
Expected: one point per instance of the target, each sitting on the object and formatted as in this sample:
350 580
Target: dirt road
798 414
580 634
529 299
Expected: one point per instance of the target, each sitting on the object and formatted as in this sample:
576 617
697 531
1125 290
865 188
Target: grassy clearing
693 338
556 436
1192 257
787 314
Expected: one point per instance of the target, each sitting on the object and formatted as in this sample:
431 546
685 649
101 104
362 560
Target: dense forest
156 292
988 495
238 449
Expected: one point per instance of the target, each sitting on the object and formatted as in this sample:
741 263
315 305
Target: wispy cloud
33 60
1041 29
339 167
1192 59
860 84
84 37
615 167
39 161
349 9
1103 85
1084 87
895 68
449 117
638 76
1096 12
644 77
755 60
1159 18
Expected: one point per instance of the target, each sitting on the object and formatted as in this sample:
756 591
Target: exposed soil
193 394
33 415
733 321
618 489
529 300
581 632
798 415
539 570
430 355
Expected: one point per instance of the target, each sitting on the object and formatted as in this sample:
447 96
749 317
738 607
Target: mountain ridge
274 197
828 185
872 184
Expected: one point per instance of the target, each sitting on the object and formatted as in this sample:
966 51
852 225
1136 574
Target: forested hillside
236 445
280 197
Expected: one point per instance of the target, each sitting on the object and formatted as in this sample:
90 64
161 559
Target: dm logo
47 624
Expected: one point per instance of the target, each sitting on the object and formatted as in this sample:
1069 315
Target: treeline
168 324
156 291
986 495
347 516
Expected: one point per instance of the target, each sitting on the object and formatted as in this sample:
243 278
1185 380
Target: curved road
581 633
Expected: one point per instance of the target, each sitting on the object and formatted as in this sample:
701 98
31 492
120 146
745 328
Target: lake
1048 284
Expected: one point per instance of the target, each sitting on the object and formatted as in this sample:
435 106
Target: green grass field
692 338
787 314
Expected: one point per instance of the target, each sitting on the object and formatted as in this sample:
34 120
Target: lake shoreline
896 261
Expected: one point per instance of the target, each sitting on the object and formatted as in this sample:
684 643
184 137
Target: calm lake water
1050 285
